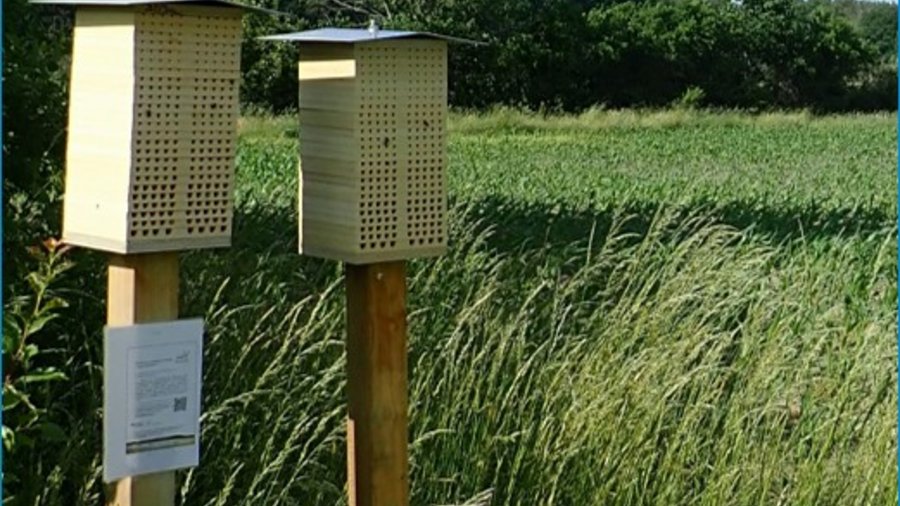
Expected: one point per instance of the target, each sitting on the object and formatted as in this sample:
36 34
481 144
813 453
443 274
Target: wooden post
377 462
142 289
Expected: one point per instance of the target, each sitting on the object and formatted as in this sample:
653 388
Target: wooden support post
142 289
377 461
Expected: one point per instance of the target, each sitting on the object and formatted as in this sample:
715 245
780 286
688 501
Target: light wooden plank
329 235
146 246
324 192
328 94
343 120
345 138
325 147
368 257
98 165
332 170
327 69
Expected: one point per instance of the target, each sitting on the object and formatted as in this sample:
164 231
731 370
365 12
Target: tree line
573 54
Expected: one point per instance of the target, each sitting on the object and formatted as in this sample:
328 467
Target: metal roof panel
357 36
129 3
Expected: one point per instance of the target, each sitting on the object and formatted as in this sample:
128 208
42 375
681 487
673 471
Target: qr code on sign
180 404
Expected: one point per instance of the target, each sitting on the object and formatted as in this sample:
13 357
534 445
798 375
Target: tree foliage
879 27
572 54
876 21
35 49
35 66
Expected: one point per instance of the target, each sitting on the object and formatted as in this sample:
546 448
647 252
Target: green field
673 308
659 309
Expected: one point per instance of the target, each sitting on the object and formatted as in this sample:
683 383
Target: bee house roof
129 3
357 36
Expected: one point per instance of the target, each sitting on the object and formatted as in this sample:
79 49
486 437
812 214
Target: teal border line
2 203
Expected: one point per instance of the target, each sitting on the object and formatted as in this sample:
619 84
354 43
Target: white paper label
152 397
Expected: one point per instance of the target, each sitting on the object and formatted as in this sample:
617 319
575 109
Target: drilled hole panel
402 115
379 147
424 119
186 106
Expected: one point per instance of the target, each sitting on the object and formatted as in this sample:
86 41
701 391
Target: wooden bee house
153 105
373 147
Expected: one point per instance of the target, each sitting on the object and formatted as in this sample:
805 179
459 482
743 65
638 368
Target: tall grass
687 365
585 341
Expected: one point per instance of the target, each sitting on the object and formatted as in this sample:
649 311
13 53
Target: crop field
668 308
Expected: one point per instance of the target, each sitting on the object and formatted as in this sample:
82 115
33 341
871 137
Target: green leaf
9 438
44 375
35 326
12 397
31 350
12 334
54 303
37 283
